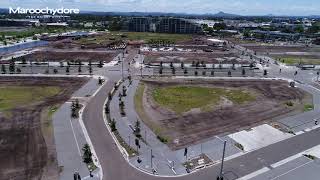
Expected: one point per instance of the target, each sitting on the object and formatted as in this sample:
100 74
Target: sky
241 7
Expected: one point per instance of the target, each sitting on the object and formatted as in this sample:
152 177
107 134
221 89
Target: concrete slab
259 137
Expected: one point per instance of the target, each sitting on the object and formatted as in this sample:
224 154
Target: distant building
177 25
139 24
163 25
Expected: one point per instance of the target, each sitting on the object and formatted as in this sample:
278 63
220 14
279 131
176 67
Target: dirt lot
189 57
195 126
77 55
27 148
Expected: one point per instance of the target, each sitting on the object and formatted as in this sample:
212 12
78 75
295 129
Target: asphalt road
115 167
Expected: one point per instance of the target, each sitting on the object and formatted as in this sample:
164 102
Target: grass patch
147 37
310 156
289 103
138 104
184 98
308 107
238 145
132 152
14 96
298 60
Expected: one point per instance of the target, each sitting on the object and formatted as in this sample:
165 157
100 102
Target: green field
147 37
298 60
14 96
184 98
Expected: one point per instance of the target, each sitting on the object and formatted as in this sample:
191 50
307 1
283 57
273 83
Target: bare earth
195 126
27 149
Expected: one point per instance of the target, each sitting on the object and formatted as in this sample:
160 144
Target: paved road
115 166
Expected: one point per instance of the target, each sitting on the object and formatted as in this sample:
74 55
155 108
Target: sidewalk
69 137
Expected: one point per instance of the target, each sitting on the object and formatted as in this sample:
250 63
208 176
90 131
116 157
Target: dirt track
196 126
25 151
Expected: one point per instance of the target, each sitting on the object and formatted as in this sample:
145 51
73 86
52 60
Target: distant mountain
223 14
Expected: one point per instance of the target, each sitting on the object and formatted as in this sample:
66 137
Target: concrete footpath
69 136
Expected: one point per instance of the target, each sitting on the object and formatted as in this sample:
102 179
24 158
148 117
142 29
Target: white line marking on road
291 170
284 161
75 138
254 174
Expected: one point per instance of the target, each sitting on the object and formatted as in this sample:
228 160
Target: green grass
138 104
184 98
14 96
157 36
308 107
297 60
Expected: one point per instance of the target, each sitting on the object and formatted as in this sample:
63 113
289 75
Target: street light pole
122 65
151 159
221 169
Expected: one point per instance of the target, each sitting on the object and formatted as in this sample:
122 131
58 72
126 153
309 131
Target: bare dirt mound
196 126
25 152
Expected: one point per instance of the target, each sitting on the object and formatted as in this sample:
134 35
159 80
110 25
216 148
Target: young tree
12 66
137 129
124 91
3 69
67 69
204 73
113 124
18 70
87 155
100 65
243 72
229 73
185 71
79 69
90 69
160 70
182 65
265 72
55 71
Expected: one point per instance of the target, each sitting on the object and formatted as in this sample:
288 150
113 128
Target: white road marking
291 170
284 161
254 174
75 138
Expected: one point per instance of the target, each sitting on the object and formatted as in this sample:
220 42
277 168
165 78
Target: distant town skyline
240 7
